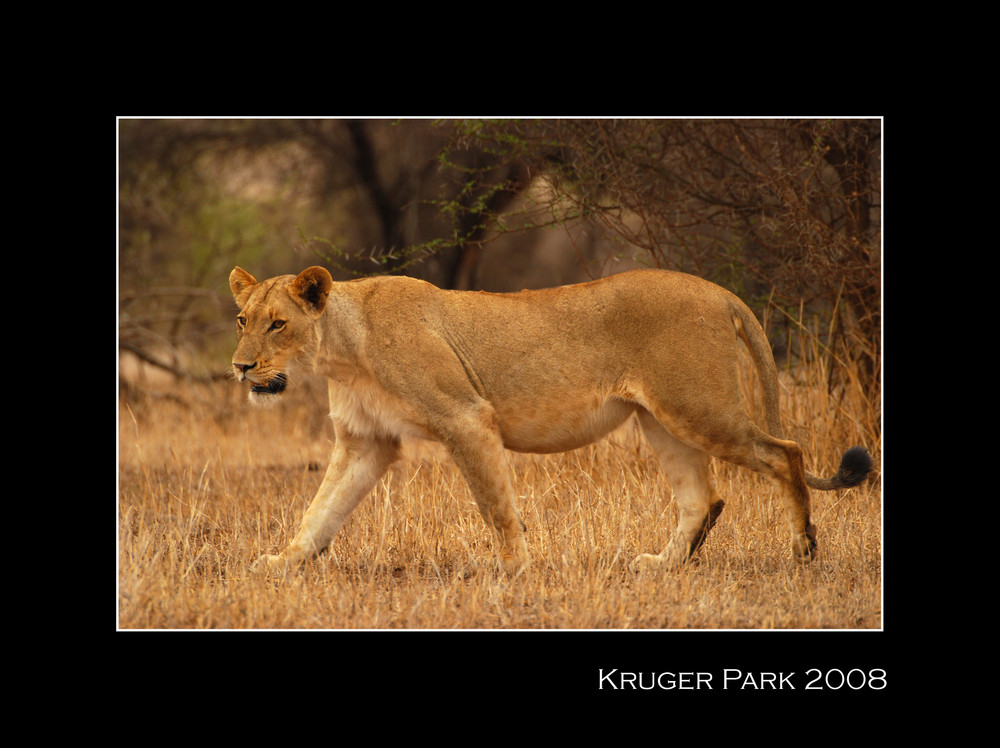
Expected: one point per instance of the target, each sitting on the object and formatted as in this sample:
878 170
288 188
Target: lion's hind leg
741 442
698 503
780 460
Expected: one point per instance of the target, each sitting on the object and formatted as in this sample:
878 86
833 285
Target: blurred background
785 213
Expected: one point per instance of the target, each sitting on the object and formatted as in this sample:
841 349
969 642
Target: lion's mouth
274 387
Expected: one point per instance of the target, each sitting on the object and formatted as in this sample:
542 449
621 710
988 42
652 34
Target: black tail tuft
854 467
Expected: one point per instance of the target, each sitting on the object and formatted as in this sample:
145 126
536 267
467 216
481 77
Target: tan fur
535 371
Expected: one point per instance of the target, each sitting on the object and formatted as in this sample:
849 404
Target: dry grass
206 484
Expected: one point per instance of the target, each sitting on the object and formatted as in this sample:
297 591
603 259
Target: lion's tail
855 464
854 468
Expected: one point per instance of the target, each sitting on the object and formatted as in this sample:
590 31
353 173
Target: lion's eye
277 324
241 321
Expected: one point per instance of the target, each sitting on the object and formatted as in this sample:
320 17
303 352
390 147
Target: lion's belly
562 426
526 422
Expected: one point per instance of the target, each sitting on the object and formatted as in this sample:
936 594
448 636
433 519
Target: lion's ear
312 286
241 283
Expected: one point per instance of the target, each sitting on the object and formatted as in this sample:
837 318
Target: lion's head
276 326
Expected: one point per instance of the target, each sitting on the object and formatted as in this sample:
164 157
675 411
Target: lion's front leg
475 444
355 466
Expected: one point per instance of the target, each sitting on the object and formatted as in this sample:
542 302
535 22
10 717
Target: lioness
535 371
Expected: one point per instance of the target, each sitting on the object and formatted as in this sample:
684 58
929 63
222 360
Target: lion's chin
258 400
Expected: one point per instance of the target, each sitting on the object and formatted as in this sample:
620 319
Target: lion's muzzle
250 372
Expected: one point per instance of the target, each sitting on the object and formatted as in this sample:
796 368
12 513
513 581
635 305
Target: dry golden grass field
206 484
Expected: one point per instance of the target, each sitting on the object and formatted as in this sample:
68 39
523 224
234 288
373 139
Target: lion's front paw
646 562
514 558
268 565
513 566
650 562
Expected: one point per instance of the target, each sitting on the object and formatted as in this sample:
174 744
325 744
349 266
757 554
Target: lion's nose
242 369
